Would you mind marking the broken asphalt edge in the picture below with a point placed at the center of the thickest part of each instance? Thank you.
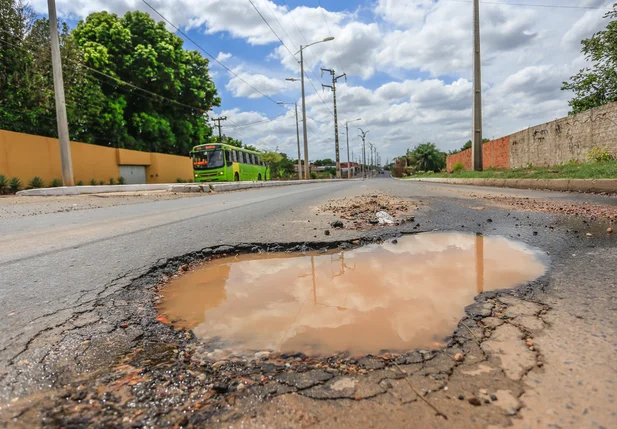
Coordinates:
(188, 187)
(562, 185)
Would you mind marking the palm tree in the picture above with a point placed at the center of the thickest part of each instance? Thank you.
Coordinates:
(428, 158)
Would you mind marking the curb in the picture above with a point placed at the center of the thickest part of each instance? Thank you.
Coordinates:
(562, 185)
(236, 186)
(189, 187)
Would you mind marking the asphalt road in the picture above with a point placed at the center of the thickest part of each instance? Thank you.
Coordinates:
(57, 266)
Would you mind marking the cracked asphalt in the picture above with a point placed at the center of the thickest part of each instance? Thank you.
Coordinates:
(80, 345)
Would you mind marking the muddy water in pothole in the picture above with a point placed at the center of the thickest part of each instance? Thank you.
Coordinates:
(382, 296)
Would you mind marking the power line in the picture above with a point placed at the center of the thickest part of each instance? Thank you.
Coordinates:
(186, 36)
(277, 20)
(323, 15)
(295, 23)
(118, 80)
(272, 29)
(290, 53)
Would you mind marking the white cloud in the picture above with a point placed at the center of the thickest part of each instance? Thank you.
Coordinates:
(409, 69)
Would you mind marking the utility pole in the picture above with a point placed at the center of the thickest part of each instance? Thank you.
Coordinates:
(218, 121)
(348, 159)
(371, 155)
(476, 144)
(336, 142)
(363, 137)
(295, 103)
(61, 119)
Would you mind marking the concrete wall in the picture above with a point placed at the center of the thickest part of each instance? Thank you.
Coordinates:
(26, 156)
(549, 144)
(566, 138)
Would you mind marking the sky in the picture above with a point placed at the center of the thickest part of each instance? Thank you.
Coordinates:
(408, 65)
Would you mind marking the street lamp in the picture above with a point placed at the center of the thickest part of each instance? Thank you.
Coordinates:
(301, 51)
(298, 137)
(347, 132)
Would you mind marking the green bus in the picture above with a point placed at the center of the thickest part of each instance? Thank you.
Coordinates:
(218, 162)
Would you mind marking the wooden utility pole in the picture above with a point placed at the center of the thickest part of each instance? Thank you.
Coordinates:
(61, 119)
(336, 141)
(218, 121)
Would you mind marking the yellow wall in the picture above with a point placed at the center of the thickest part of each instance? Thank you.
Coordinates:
(169, 168)
(26, 156)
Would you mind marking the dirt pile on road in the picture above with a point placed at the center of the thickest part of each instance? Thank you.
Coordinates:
(361, 211)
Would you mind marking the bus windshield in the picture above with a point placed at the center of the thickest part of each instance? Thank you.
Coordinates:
(208, 160)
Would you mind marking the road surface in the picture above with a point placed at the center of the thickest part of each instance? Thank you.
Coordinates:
(61, 270)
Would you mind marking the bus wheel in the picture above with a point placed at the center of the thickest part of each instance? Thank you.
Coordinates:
(236, 177)
(259, 177)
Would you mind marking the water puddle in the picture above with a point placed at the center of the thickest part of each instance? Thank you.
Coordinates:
(379, 297)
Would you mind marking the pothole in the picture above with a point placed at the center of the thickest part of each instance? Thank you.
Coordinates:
(399, 295)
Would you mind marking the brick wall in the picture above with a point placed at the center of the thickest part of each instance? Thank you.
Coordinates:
(495, 153)
(464, 157)
(549, 144)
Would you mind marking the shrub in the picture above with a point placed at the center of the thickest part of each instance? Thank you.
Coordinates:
(15, 185)
(598, 154)
(101, 182)
(55, 183)
(93, 182)
(4, 184)
(80, 183)
(112, 181)
(121, 180)
(179, 180)
(37, 182)
(313, 175)
(459, 166)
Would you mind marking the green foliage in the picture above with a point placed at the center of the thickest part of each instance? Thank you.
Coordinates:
(112, 181)
(4, 184)
(323, 162)
(279, 165)
(55, 183)
(133, 48)
(121, 180)
(36, 182)
(93, 182)
(331, 171)
(80, 183)
(459, 166)
(179, 180)
(233, 142)
(426, 157)
(101, 182)
(15, 185)
(313, 175)
(596, 85)
(598, 154)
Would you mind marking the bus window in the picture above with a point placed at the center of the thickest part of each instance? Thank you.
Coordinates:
(241, 157)
(234, 155)
(228, 157)
(252, 159)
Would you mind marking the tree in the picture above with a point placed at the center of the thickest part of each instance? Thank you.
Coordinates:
(323, 162)
(596, 85)
(427, 157)
(233, 142)
(271, 158)
(136, 49)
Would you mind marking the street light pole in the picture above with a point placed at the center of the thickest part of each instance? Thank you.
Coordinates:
(295, 103)
(348, 159)
(363, 136)
(476, 144)
(304, 131)
(61, 118)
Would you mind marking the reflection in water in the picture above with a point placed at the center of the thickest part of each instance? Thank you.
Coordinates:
(388, 296)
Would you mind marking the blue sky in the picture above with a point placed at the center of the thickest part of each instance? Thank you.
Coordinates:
(408, 64)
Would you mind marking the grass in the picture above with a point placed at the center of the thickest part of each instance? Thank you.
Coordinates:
(595, 170)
